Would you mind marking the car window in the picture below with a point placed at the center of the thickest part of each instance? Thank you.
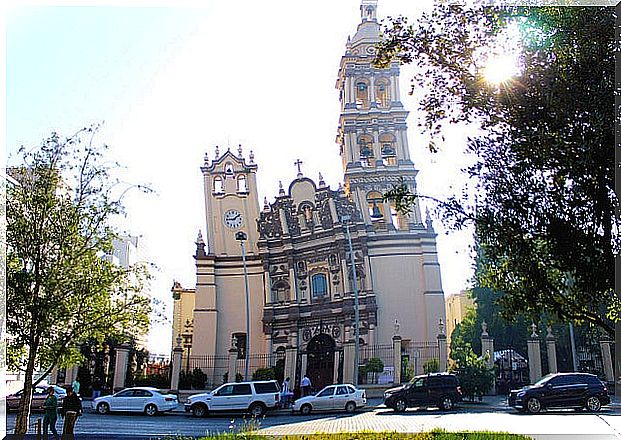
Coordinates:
(559, 381)
(351, 390)
(142, 393)
(126, 393)
(326, 392)
(436, 381)
(226, 390)
(266, 387)
(242, 389)
(420, 382)
(39, 390)
(341, 391)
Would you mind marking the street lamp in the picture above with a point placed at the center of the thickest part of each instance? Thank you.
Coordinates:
(569, 283)
(345, 219)
(242, 237)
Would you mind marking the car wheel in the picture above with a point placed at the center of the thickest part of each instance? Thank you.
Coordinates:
(593, 404)
(257, 410)
(103, 408)
(400, 405)
(446, 404)
(350, 407)
(306, 409)
(533, 405)
(150, 409)
(199, 410)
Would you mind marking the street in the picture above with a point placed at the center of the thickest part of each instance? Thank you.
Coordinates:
(549, 425)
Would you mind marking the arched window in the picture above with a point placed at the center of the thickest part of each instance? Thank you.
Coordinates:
(394, 216)
(365, 143)
(382, 93)
(387, 147)
(280, 291)
(228, 169)
(242, 186)
(319, 283)
(239, 341)
(376, 207)
(217, 185)
(362, 94)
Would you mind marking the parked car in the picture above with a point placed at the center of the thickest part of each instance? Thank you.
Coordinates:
(138, 399)
(333, 397)
(255, 397)
(38, 397)
(561, 390)
(430, 390)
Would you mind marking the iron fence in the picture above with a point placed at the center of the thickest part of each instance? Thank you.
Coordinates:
(368, 361)
(415, 355)
(202, 371)
(258, 361)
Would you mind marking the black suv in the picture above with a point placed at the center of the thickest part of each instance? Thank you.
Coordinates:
(561, 390)
(438, 389)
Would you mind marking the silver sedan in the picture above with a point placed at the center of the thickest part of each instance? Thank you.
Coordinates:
(332, 398)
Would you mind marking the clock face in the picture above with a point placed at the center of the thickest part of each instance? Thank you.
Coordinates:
(233, 219)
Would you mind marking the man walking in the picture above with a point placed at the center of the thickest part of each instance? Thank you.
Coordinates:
(305, 384)
(71, 410)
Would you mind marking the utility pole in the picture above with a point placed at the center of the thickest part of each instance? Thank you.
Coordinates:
(242, 237)
(345, 219)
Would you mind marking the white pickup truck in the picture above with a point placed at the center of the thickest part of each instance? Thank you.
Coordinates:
(254, 397)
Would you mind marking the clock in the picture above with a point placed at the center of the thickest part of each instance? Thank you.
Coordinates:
(233, 219)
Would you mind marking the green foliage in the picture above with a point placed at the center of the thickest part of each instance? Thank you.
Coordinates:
(60, 291)
(544, 175)
(161, 381)
(436, 434)
(475, 378)
(407, 370)
(402, 197)
(264, 374)
(238, 377)
(431, 366)
(374, 365)
(194, 379)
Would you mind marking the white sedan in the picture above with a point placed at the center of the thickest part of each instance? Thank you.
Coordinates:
(333, 397)
(141, 399)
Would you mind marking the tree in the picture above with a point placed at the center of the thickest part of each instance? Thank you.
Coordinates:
(431, 366)
(61, 291)
(545, 200)
(475, 378)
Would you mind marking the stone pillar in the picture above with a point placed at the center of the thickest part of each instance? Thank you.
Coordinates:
(291, 357)
(54, 376)
(120, 367)
(176, 366)
(534, 355)
(371, 333)
(487, 348)
(442, 348)
(607, 360)
(396, 356)
(70, 374)
(337, 358)
(232, 370)
(349, 354)
(551, 349)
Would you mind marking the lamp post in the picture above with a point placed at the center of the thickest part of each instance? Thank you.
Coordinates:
(345, 219)
(569, 283)
(242, 237)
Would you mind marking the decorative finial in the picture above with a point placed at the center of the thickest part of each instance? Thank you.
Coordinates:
(251, 157)
(484, 327)
(281, 191)
(321, 182)
(228, 148)
(428, 219)
(239, 150)
(199, 239)
(397, 326)
(440, 327)
(533, 327)
(206, 159)
(340, 187)
(549, 334)
(178, 340)
(217, 152)
(298, 163)
(266, 205)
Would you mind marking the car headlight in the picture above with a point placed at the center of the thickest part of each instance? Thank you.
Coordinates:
(190, 401)
(521, 394)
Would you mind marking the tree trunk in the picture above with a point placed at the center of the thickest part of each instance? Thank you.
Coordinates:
(23, 412)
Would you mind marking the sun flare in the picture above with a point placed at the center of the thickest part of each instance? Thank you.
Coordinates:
(500, 69)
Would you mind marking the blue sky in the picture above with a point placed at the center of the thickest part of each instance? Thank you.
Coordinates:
(171, 83)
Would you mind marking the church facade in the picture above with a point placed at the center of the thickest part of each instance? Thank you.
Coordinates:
(299, 269)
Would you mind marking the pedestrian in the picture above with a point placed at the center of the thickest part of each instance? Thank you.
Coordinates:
(70, 411)
(284, 393)
(96, 388)
(76, 386)
(50, 405)
(305, 384)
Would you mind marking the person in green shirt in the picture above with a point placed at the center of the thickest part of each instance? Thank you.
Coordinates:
(51, 407)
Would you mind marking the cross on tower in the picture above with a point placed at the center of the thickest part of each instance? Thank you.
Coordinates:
(298, 163)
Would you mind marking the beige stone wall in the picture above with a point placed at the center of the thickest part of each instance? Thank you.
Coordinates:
(183, 309)
(457, 306)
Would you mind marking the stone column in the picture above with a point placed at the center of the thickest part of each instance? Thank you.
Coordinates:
(232, 370)
(120, 367)
(487, 348)
(607, 360)
(70, 374)
(337, 358)
(442, 347)
(291, 357)
(534, 355)
(551, 349)
(349, 356)
(176, 366)
(371, 333)
(396, 356)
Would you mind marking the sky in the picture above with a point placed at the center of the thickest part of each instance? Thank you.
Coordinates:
(169, 83)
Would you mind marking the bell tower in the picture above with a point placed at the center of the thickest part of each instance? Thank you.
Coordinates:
(372, 132)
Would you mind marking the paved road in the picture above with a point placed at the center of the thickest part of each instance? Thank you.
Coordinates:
(551, 425)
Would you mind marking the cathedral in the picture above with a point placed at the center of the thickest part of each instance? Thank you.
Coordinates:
(301, 276)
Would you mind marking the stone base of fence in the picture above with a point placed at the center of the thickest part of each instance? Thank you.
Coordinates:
(376, 391)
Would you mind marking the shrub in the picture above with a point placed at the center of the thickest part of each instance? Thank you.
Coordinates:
(238, 377)
(153, 380)
(264, 374)
(407, 370)
(431, 366)
(475, 378)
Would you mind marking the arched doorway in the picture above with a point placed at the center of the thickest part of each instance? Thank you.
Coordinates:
(320, 361)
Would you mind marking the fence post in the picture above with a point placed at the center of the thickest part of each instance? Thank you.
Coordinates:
(604, 345)
(551, 348)
(175, 367)
(232, 369)
(534, 355)
(442, 348)
(120, 367)
(396, 358)
(487, 347)
(39, 429)
(349, 357)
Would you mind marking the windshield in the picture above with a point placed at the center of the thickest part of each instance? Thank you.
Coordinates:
(543, 380)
